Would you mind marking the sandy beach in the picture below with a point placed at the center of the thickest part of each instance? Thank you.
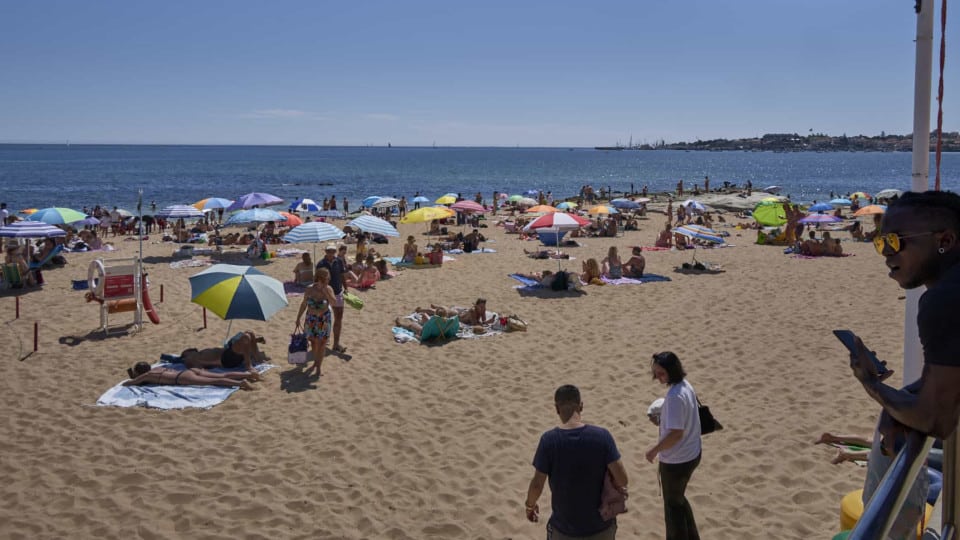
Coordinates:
(407, 441)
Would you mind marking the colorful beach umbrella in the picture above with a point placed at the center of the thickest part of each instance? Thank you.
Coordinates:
(428, 213)
(293, 220)
(820, 218)
(31, 229)
(237, 292)
(770, 214)
(603, 209)
(374, 225)
(557, 220)
(28, 211)
(566, 205)
(699, 232)
(820, 207)
(254, 199)
(178, 211)
(446, 199)
(468, 206)
(57, 216)
(871, 210)
(212, 203)
(254, 215)
(305, 205)
(541, 209)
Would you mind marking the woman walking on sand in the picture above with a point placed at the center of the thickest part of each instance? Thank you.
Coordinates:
(678, 446)
(316, 303)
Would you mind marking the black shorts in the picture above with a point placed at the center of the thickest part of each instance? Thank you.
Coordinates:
(230, 359)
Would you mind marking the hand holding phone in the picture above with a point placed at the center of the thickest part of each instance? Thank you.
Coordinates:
(849, 340)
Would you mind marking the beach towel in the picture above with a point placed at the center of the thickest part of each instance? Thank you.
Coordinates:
(170, 397)
(647, 278)
(448, 328)
(801, 256)
(655, 248)
(190, 263)
(398, 263)
(460, 251)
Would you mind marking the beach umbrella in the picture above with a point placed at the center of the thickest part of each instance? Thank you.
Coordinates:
(860, 195)
(335, 214)
(770, 215)
(254, 215)
(368, 202)
(602, 209)
(89, 220)
(841, 202)
(386, 202)
(772, 189)
(820, 218)
(254, 199)
(212, 203)
(541, 209)
(293, 220)
(820, 207)
(502, 195)
(451, 194)
(123, 213)
(773, 199)
(644, 199)
(375, 225)
(526, 201)
(446, 199)
(468, 206)
(566, 205)
(888, 193)
(305, 205)
(625, 204)
(870, 210)
(313, 232)
(692, 204)
(237, 292)
(31, 229)
(29, 211)
(515, 198)
(421, 199)
(427, 213)
(557, 220)
(178, 211)
(56, 216)
(700, 233)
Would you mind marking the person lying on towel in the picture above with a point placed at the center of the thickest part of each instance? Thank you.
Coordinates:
(240, 351)
(142, 374)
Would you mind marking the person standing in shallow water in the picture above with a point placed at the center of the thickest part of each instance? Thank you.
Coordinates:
(678, 446)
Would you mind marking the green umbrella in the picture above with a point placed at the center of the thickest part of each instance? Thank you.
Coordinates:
(770, 214)
(514, 198)
(56, 216)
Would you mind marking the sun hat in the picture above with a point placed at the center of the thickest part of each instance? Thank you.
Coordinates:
(654, 408)
(330, 247)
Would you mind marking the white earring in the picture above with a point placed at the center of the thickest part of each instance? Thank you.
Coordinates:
(941, 251)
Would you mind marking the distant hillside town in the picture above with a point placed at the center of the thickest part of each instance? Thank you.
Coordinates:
(792, 142)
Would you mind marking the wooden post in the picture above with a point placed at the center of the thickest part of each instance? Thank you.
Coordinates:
(161, 293)
(18, 307)
(36, 334)
(204, 318)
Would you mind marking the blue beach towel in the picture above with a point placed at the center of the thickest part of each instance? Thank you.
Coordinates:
(647, 278)
(170, 397)
(527, 282)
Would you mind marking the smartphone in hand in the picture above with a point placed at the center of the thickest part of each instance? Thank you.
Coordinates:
(848, 339)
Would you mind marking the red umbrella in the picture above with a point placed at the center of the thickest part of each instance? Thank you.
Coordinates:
(557, 220)
(468, 206)
(293, 220)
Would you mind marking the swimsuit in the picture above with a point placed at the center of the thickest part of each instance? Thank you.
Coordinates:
(230, 359)
(317, 325)
(615, 271)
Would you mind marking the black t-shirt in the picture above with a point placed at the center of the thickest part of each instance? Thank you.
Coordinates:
(337, 268)
(939, 320)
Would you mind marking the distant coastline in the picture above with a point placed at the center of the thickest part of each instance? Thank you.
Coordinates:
(793, 142)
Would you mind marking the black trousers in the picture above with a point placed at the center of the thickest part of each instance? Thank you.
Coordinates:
(677, 513)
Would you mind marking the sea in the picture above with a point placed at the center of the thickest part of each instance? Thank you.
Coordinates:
(77, 176)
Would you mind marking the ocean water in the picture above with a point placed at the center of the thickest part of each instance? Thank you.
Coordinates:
(85, 175)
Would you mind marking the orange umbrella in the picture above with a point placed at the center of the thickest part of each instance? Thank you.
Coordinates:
(871, 210)
(293, 220)
(542, 208)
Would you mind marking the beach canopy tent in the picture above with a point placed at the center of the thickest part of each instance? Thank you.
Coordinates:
(700, 232)
(374, 225)
(770, 214)
(253, 199)
(31, 229)
(180, 211)
(57, 216)
(254, 215)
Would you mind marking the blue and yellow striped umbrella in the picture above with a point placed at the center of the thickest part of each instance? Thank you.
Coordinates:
(237, 292)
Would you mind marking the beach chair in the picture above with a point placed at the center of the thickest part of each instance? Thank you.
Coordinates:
(46, 260)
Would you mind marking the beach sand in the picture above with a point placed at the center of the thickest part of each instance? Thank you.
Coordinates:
(409, 441)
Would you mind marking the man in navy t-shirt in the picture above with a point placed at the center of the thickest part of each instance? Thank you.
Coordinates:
(337, 265)
(575, 457)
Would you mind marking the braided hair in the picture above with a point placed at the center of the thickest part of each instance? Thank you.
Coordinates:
(942, 207)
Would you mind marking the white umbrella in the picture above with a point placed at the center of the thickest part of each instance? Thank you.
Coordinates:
(699, 232)
(888, 193)
(372, 224)
(386, 202)
(313, 232)
(31, 229)
(255, 215)
(178, 211)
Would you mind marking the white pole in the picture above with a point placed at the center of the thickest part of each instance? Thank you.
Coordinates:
(923, 74)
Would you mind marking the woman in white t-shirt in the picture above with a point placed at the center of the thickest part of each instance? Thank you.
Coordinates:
(678, 446)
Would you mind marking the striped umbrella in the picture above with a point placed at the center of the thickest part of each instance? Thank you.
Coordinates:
(178, 211)
(56, 216)
(820, 218)
(305, 205)
(700, 233)
(386, 202)
(254, 199)
(237, 292)
(558, 221)
(254, 215)
(31, 229)
(468, 206)
(312, 233)
(212, 203)
(368, 202)
(372, 224)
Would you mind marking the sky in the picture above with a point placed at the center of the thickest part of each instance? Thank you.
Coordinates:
(458, 73)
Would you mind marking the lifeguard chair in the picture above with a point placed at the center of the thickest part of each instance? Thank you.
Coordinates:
(119, 286)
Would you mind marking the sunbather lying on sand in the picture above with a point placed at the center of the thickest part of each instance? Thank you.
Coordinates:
(477, 314)
(241, 351)
(548, 277)
(141, 374)
(546, 254)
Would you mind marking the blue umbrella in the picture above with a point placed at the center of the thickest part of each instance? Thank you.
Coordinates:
(372, 224)
(532, 192)
(213, 203)
(237, 292)
(368, 202)
(841, 202)
(31, 229)
(820, 207)
(254, 215)
(624, 204)
(421, 199)
(313, 232)
(700, 233)
(305, 205)
(178, 211)
(255, 199)
(820, 218)
(56, 216)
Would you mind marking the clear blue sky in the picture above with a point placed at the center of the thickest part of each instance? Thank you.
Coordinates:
(498, 73)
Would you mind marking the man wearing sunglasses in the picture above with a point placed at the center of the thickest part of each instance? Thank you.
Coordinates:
(920, 244)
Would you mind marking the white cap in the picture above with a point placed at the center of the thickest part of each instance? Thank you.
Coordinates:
(654, 408)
